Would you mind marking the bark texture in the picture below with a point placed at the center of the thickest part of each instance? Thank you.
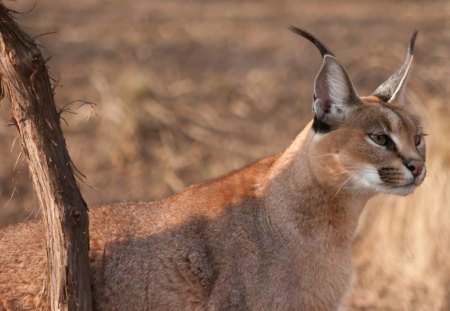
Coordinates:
(24, 78)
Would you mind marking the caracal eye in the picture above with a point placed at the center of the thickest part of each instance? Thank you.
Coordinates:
(379, 139)
(417, 140)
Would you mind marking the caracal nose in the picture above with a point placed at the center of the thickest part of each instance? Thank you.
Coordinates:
(415, 166)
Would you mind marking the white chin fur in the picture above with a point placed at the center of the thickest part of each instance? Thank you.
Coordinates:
(399, 190)
(369, 179)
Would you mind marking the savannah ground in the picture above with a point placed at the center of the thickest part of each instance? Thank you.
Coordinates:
(187, 90)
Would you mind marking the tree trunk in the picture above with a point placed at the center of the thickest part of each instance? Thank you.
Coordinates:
(24, 77)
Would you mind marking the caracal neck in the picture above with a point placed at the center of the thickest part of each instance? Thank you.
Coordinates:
(301, 203)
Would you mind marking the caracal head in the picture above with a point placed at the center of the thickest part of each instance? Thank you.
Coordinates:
(370, 144)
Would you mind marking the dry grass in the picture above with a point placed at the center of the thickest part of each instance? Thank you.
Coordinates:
(188, 90)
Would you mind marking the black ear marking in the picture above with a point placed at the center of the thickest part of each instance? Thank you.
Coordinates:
(320, 127)
(393, 88)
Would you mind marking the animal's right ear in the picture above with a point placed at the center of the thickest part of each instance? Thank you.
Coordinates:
(392, 91)
(334, 94)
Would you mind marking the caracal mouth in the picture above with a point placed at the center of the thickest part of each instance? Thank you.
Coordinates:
(404, 189)
(370, 179)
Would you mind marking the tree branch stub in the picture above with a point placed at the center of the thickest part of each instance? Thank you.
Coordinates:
(24, 78)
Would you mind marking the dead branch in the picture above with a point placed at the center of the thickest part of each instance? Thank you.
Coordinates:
(24, 77)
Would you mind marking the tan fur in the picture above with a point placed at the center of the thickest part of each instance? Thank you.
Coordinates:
(275, 235)
(371, 99)
(272, 236)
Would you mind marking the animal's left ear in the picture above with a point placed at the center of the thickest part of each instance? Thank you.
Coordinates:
(393, 89)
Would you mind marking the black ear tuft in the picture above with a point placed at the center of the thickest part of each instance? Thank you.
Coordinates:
(412, 42)
(323, 50)
(394, 87)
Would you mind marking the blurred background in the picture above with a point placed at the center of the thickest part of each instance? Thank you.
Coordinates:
(162, 94)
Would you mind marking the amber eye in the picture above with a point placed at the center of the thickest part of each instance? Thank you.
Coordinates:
(417, 140)
(379, 139)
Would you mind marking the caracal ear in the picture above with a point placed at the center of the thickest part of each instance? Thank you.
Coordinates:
(334, 94)
(393, 90)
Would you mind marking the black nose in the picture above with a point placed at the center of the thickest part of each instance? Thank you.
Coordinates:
(415, 166)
